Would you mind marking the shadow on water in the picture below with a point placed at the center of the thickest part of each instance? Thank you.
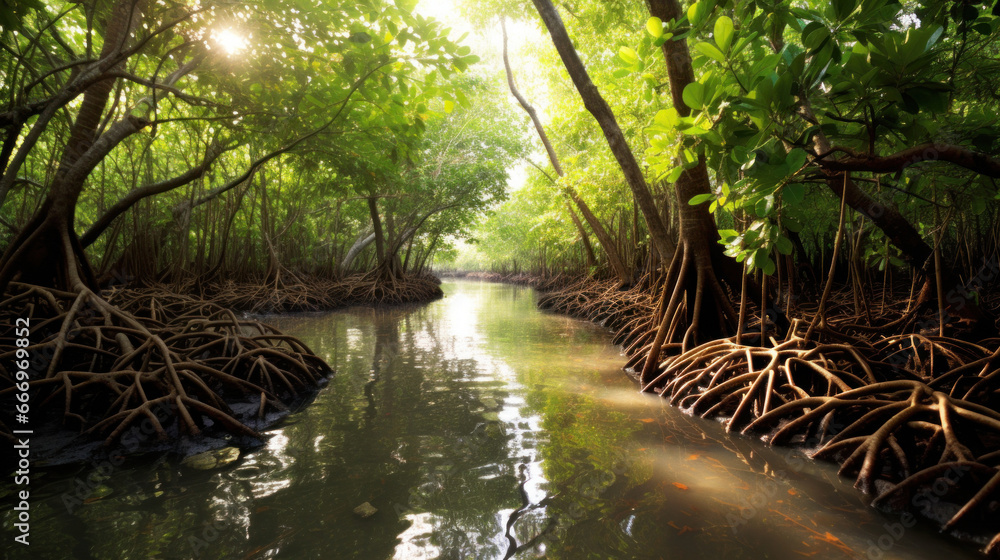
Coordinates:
(481, 428)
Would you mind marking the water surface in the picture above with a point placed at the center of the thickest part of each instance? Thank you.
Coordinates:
(479, 428)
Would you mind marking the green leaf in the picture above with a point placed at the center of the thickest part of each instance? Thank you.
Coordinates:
(766, 264)
(794, 193)
(764, 206)
(700, 199)
(662, 39)
(628, 55)
(655, 27)
(728, 235)
(843, 8)
(694, 95)
(784, 245)
(815, 35)
(764, 92)
(724, 33)
(796, 159)
(709, 50)
(406, 5)
(668, 117)
(698, 12)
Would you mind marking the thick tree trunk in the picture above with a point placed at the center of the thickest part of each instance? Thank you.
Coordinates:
(47, 251)
(702, 262)
(380, 256)
(366, 238)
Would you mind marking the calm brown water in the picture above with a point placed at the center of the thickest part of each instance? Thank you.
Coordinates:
(479, 428)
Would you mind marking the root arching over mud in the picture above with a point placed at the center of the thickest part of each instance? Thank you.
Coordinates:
(912, 418)
(103, 364)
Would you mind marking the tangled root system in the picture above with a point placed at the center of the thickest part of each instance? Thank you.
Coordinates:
(103, 366)
(912, 418)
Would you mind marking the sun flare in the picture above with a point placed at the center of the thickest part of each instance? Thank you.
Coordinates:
(229, 41)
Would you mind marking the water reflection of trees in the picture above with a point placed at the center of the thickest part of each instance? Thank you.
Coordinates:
(410, 406)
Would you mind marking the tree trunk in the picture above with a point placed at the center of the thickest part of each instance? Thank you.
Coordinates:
(699, 289)
(603, 238)
(614, 257)
(599, 108)
(380, 256)
(588, 249)
(46, 251)
(366, 238)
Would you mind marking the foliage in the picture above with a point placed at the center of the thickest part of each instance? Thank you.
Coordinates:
(296, 115)
(870, 76)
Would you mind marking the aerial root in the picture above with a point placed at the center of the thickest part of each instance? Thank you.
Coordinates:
(706, 378)
(627, 312)
(895, 414)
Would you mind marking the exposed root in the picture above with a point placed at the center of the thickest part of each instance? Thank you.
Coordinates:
(105, 366)
(722, 378)
(603, 302)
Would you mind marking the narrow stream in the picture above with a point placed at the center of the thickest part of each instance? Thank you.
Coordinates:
(479, 428)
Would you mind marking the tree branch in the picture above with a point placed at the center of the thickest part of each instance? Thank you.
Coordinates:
(958, 155)
(134, 196)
